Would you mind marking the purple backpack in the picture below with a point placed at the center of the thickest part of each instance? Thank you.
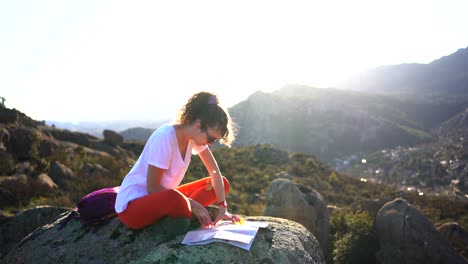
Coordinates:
(98, 207)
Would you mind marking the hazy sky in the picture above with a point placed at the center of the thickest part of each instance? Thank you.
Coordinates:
(98, 60)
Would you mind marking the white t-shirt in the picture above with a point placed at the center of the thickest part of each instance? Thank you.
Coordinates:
(162, 151)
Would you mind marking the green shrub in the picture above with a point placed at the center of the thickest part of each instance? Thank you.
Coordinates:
(353, 238)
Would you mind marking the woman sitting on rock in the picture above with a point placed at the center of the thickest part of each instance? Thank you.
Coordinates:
(151, 189)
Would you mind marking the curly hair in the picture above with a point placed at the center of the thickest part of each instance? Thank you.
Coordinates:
(204, 106)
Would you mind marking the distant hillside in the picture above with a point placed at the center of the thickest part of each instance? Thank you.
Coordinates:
(96, 128)
(447, 76)
(439, 166)
(456, 127)
(137, 133)
(44, 164)
(333, 123)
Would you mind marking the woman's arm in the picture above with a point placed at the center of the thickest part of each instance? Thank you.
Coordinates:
(218, 185)
(153, 179)
(216, 178)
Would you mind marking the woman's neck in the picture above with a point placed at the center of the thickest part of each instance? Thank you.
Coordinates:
(183, 134)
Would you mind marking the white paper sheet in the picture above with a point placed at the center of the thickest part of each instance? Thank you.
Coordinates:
(240, 235)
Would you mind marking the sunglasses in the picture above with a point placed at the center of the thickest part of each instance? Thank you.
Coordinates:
(209, 138)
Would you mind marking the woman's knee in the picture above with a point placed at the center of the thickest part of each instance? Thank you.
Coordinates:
(177, 197)
(179, 204)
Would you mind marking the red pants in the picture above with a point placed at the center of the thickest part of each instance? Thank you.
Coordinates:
(147, 210)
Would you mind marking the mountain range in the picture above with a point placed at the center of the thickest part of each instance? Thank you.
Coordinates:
(446, 77)
(384, 107)
(404, 125)
(389, 106)
(334, 123)
(96, 128)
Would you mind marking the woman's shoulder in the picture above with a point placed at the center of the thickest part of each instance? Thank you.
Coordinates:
(165, 128)
(164, 131)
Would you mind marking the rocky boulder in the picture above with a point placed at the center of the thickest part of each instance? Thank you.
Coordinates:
(70, 136)
(15, 228)
(94, 170)
(282, 241)
(48, 147)
(59, 173)
(24, 143)
(112, 137)
(16, 190)
(456, 235)
(406, 236)
(301, 204)
(13, 188)
(44, 184)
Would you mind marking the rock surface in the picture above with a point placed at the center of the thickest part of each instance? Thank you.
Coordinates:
(456, 235)
(406, 236)
(282, 241)
(13, 229)
(301, 204)
(59, 173)
(89, 171)
(44, 184)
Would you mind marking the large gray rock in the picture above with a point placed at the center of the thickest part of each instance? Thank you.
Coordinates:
(301, 204)
(406, 236)
(456, 235)
(15, 228)
(282, 242)
(44, 184)
(60, 173)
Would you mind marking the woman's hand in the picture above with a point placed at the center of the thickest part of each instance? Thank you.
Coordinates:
(201, 213)
(224, 214)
